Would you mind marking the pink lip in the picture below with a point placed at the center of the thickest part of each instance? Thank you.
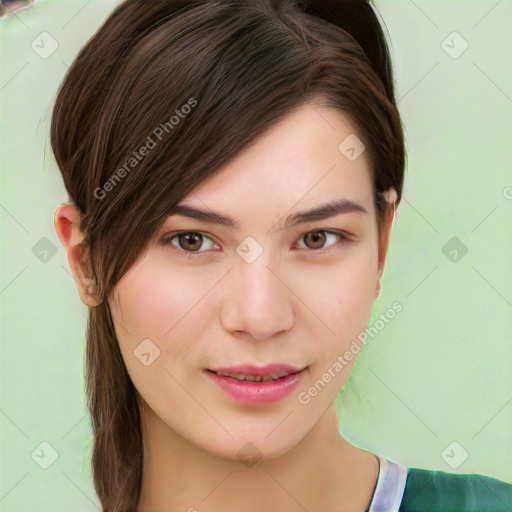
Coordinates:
(257, 392)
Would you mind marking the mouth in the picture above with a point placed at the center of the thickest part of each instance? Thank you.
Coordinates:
(250, 370)
(253, 378)
(257, 385)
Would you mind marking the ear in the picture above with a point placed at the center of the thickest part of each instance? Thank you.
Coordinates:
(385, 235)
(67, 225)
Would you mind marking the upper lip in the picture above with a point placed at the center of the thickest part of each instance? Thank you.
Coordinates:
(258, 371)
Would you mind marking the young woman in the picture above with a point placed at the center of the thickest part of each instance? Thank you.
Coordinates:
(233, 170)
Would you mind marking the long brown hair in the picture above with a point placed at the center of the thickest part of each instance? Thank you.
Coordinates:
(195, 82)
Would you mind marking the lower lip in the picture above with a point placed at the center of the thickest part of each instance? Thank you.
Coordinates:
(257, 392)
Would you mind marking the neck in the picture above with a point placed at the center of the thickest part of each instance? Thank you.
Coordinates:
(322, 472)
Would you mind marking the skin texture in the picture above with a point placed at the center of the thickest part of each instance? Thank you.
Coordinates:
(293, 304)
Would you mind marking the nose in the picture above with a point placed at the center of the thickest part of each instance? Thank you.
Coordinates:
(258, 301)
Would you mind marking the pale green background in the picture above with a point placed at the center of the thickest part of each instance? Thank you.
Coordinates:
(439, 372)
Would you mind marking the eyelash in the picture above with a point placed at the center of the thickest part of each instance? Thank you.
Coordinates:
(344, 239)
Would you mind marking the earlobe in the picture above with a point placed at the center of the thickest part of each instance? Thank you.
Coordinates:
(67, 225)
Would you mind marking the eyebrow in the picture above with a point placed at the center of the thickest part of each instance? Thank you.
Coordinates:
(321, 212)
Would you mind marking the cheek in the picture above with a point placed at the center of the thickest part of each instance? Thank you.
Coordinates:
(148, 305)
(166, 305)
(154, 300)
(343, 304)
(340, 296)
(357, 288)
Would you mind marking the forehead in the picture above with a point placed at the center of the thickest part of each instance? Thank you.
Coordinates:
(301, 161)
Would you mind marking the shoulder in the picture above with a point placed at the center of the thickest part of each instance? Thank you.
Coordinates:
(436, 491)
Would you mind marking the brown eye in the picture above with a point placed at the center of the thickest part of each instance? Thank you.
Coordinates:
(190, 241)
(315, 239)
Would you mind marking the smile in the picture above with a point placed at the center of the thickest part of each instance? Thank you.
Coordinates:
(252, 389)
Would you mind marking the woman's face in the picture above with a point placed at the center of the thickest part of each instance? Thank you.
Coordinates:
(257, 293)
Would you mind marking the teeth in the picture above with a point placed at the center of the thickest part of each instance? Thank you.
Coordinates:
(251, 378)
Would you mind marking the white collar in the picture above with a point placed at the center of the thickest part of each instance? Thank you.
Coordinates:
(390, 486)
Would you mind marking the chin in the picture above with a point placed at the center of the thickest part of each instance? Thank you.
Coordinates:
(251, 449)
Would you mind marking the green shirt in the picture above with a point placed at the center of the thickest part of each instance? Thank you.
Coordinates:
(402, 489)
